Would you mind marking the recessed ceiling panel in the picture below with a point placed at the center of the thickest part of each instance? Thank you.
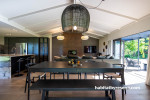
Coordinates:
(108, 19)
(42, 17)
(12, 8)
(131, 8)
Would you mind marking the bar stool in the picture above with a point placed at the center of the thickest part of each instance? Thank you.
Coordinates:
(32, 58)
(28, 65)
(114, 75)
(19, 66)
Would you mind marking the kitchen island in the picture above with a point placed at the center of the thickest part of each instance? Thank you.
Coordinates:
(9, 64)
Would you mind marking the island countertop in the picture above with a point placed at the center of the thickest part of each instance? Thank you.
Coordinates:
(15, 55)
(9, 64)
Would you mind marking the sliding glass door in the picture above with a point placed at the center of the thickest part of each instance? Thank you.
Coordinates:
(117, 48)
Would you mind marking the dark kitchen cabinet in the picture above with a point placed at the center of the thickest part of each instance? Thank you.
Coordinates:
(43, 49)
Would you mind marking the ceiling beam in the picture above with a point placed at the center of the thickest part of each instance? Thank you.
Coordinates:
(39, 11)
(16, 25)
(47, 29)
(53, 34)
(56, 34)
(91, 36)
(94, 34)
(102, 31)
(113, 13)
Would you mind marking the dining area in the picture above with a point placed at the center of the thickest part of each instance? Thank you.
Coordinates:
(73, 49)
(76, 78)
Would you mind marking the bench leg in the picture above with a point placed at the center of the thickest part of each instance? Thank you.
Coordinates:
(47, 94)
(125, 91)
(43, 95)
(106, 93)
(113, 95)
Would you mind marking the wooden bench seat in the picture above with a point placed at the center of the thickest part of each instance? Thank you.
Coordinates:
(75, 85)
(54, 85)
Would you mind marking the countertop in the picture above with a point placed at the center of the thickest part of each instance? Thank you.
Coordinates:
(14, 55)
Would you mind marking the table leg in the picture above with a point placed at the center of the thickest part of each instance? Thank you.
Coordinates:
(50, 75)
(123, 82)
(113, 95)
(122, 76)
(80, 76)
(85, 77)
(99, 75)
(63, 75)
(54, 75)
(103, 76)
(68, 75)
(43, 95)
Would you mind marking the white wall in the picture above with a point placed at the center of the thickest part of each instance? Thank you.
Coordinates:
(1, 40)
(133, 28)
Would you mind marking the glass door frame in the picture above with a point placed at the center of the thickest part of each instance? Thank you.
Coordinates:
(114, 47)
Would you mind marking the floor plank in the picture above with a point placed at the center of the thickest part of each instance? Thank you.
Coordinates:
(13, 89)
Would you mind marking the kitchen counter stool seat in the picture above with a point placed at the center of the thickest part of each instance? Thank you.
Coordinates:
(21, 60)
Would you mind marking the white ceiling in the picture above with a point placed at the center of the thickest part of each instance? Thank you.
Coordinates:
(10, 31)
(43, 17)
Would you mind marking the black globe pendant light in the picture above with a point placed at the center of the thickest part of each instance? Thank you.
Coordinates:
(75, 19)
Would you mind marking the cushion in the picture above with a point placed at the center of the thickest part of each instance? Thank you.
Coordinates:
(72, 57)
(101, 57)
(87, 57)
(111, 57)
(63, 57)
(57, 57)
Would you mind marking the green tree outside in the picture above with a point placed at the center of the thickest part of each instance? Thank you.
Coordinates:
(131, 48)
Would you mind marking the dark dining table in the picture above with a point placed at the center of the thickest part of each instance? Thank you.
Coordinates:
(63, 67)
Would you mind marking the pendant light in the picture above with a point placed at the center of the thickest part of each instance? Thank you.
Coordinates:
(75, 19)
(60, 37)
(84, 37)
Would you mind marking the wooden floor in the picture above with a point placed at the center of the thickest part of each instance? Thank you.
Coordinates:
(13, 89)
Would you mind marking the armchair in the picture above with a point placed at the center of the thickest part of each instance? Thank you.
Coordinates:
(132, 63)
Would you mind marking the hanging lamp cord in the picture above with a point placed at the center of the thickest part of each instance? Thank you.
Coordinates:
(92, 7)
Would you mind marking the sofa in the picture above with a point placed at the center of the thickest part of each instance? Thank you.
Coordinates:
(111, 61)
(105, 58)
